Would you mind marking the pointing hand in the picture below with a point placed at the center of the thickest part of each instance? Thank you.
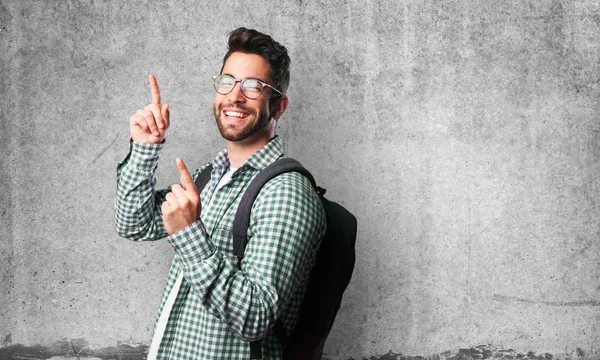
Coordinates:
(150, 124)
(182, 205)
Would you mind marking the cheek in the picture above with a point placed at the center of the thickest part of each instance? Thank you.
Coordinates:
(219, 99)
(217, 105)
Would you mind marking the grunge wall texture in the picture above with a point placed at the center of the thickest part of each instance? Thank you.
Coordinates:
(464, 135)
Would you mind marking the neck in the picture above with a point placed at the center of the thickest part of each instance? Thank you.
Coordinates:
(239, 151)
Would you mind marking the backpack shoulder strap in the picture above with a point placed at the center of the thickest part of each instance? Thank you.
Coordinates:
(242, 221)
(203, 178)
(242, 216)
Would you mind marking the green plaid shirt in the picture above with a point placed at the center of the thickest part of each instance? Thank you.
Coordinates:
(220, 308)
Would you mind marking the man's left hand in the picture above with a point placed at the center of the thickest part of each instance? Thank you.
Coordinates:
(182, 205)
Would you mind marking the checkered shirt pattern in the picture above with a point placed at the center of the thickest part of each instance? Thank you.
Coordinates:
(220, 308)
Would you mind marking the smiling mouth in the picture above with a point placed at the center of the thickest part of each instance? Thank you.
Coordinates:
(235, 114)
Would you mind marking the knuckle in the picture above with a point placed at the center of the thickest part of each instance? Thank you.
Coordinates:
(136, 120)
(173, 208)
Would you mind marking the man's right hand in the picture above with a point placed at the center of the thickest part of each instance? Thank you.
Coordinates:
(150, 124)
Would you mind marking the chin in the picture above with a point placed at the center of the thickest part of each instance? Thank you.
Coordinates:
(253, 128)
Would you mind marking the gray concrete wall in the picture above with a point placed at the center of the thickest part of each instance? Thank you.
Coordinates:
(464, 135)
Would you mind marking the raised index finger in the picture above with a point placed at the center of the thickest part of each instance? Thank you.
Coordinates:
(185, 177)
(154, 92)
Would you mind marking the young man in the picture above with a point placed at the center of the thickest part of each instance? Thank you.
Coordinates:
(211, 309)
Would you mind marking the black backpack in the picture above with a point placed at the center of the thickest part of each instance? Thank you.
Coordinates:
(329, 277)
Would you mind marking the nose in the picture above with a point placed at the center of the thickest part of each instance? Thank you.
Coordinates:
(236, 95)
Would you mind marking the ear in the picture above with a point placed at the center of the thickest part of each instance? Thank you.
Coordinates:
(279, 107)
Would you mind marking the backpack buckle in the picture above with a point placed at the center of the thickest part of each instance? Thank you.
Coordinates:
(321, 191)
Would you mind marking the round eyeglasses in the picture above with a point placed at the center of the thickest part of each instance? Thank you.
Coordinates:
(251, 88)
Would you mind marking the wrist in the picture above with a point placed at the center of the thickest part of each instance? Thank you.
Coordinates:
(144, 155)
(192, 242)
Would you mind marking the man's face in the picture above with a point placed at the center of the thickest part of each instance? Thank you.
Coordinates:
(238, 117)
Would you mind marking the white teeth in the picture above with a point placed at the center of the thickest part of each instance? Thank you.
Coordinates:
(234, 113)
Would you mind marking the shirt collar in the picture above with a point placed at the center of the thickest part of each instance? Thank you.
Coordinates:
(272, 151)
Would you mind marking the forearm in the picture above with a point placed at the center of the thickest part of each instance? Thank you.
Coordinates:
(137, 205)
(225, 291)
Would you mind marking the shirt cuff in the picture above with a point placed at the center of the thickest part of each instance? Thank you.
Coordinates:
(144, 156)
(192, 242)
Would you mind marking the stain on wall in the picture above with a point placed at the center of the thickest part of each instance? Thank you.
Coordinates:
(67, 349)
(74, 348)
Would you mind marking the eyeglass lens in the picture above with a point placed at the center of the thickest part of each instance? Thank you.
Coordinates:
(251, 88)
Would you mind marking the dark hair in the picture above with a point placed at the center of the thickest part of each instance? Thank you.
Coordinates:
(250, 41)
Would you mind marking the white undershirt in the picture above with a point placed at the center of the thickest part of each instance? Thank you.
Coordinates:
(164, 315)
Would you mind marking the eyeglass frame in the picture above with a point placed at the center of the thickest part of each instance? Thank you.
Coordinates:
(241, 81)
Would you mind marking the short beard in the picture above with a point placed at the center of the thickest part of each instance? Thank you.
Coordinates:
(261, 121)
